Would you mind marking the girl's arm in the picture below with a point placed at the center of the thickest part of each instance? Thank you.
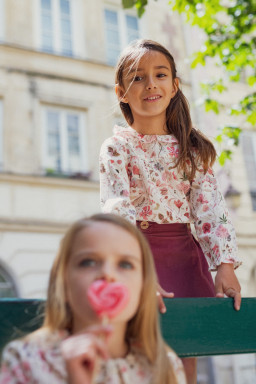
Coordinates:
(215, 233)
(114, 180)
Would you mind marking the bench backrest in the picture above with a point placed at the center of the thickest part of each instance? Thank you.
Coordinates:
(192, 327)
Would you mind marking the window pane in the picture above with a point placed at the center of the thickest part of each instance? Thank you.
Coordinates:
(112, 36)
(47, 22)
(66, 27)
(46, 4)
(46, 26)
(47, 44)
(53, 137)
(132, 28)
(111, 17)
(73, 135)
(67, 47)
(75, 163)
(65, 6)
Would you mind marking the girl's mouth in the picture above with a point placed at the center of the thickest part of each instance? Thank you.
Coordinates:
(152, 98)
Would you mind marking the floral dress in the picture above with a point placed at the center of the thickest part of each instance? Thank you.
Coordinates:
(139, 181)
(37, 360)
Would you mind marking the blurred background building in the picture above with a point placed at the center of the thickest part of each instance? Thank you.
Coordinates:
(57, 105)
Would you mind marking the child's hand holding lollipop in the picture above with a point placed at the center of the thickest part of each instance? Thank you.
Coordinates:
(81, 352)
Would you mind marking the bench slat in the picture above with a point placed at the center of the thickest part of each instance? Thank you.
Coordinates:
(192, 327)
(200, 327)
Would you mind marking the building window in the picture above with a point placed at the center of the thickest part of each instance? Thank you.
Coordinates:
(249, 150)
(120, 30)
(56, 26)
(7, 286)
(64, 141)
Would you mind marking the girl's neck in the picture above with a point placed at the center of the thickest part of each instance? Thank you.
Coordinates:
(149, 126)
(116, 343)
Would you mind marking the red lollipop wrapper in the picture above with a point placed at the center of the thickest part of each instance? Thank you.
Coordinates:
(108, 299)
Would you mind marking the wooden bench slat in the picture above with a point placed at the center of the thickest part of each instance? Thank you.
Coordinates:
(200, 327)
(192, 327)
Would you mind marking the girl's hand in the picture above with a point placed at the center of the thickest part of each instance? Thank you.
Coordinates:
(160, 294)
(226, 283)
(82, 351)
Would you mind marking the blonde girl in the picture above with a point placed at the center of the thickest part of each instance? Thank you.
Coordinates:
(72, 345)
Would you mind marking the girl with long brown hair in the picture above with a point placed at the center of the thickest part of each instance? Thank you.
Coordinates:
(73, 346)
(157, 173)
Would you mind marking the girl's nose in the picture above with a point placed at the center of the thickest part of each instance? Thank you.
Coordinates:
(150, 83)
(108, 272)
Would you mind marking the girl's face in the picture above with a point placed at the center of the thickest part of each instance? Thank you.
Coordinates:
(149, 89)
(102, 251)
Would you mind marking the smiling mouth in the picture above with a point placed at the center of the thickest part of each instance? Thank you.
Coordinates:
(152, 98)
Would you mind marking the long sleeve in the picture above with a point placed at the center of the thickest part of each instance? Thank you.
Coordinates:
(213, 225)
(114, 180)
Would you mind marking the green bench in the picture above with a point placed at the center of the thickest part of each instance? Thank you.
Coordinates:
(192, 327)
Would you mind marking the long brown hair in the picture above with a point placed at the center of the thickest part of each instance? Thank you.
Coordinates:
(143, 327)
(195, 151)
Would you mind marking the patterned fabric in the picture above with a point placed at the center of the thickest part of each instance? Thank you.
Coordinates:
(138, 182)
(38, 360)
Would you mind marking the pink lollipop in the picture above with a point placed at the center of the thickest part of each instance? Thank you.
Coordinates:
(108, 299)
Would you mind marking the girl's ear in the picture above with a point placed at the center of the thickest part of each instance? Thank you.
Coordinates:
(120, 92)
(175, 86)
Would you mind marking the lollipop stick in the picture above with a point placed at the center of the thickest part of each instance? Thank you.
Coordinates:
(104, 322)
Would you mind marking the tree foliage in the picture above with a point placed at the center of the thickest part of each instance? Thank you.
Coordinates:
(230, 29)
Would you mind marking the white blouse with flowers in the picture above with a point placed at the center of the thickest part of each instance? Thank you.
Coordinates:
(38, 360)
(138, 182)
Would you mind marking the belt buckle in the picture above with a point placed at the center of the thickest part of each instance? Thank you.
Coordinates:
(144, 225)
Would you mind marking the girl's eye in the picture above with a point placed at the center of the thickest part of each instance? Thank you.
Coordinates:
(161, 75)
(137, 78)
(88, 263)
(126, 264)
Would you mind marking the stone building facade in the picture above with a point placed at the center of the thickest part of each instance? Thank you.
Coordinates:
(57, 105)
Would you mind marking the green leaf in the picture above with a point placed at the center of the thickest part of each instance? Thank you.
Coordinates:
(212, 105)
(251, 80)
(128, 3)
(224, 156)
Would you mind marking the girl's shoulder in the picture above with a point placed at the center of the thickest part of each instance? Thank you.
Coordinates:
(40, 340)
(122, 135)
(122, 141)
(37, 353)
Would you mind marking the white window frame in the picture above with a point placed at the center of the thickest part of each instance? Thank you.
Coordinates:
(63, 113)
(2, 19)
(56, 13)
(121, 21)
(1, 133)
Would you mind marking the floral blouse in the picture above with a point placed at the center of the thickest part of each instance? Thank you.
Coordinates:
(138, 181)
(38, 360)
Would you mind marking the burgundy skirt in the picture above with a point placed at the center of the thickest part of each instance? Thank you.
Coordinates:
(180, 263)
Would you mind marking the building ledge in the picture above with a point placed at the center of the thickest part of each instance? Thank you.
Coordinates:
(48, 181)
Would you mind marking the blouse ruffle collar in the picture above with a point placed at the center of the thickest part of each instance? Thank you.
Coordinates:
(129, 133)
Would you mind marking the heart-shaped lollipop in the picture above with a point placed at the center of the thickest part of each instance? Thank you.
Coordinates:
(108, 299)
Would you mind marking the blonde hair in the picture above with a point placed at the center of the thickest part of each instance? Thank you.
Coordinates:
(143, 327)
